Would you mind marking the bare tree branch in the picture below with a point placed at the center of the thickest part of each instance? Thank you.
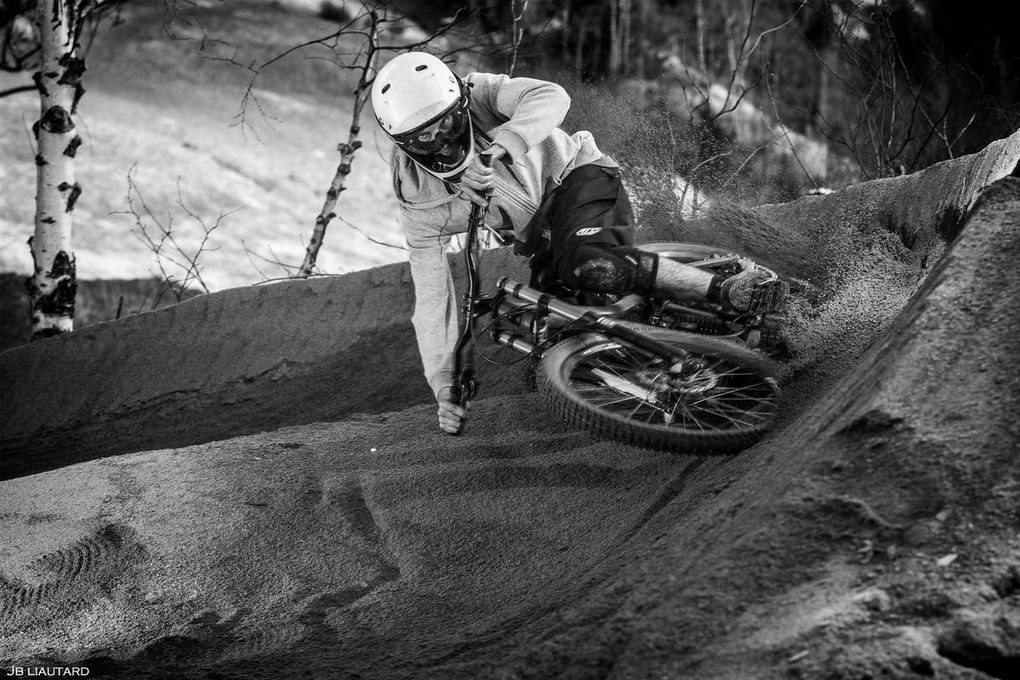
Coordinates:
(17, 90)
(162, 239)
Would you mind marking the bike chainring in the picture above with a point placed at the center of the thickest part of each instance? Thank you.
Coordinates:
(695, 324)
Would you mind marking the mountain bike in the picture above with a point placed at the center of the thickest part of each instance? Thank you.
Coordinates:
(686, 376)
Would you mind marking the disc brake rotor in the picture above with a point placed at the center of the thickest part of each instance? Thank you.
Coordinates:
(685, 381)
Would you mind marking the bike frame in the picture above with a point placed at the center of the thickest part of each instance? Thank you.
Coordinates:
(583, 318)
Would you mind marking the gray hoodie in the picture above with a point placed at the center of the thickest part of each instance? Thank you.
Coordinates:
(521, 115)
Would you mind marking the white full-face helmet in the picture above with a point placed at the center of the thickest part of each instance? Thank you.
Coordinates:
(423, 106)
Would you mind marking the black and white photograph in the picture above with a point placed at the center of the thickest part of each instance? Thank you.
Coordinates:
(510, 339)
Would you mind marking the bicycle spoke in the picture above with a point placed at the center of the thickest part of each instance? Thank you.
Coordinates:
(637, 408)
(727, 417)
(717, 396)
(697, 421)
(725, 410)
(611, 402)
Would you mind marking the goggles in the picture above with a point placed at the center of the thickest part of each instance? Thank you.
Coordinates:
(432, 137)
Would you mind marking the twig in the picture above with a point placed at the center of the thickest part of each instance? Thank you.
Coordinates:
(163, 241)
(290, 270)
(516, 32)
(17, 90)
(370, 238)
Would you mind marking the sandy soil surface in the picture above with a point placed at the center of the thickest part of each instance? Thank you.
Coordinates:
(258, 488)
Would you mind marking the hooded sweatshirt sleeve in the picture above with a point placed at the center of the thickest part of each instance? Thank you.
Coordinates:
(435, 311)
(531, 109)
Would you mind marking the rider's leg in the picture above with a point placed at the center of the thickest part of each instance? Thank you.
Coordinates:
(675, 279)
(619, 270)
(592, 236)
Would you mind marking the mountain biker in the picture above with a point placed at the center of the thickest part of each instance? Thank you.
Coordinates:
(561, 196)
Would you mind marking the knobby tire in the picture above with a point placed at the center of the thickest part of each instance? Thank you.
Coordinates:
(745, 391)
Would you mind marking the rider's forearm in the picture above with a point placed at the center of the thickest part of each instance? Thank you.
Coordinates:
(443, 380)
(435, 315)
(534, 108)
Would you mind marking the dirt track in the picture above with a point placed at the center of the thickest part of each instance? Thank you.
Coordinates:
(873, 534)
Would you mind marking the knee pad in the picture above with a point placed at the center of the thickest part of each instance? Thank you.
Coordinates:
(613, 270)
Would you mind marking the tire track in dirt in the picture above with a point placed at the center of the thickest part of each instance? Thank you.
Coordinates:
(214, 639)
(71, 577)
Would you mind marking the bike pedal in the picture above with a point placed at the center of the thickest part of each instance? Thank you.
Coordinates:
(769, 296)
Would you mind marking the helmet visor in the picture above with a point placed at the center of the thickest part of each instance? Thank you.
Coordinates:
(442, 144)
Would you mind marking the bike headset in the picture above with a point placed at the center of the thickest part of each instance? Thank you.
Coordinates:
(423, 107)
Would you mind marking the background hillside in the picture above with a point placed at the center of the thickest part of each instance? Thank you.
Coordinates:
(753, 102)
(165, 111)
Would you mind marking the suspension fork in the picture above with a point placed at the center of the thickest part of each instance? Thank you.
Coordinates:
(464, 385)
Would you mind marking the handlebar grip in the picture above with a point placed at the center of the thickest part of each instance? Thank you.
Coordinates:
(485, 158)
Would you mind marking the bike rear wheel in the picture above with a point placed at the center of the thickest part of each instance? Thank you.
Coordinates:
(723, 400)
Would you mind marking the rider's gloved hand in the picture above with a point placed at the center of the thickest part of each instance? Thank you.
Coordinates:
(477, 179)
(451, 416)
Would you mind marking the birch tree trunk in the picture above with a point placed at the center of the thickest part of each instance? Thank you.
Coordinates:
(699, 16)
(347, 151)
(625, 37)
(822, 115)
(614, 37)
(53, 285)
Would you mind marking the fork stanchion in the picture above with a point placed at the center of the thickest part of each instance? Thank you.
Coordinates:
(463, 371)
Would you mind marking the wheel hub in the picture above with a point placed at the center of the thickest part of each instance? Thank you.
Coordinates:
(685, 381)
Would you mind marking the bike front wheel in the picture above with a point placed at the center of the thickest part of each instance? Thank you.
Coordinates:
(721, 399)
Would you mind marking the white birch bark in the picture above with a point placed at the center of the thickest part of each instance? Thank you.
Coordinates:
(54, 284)
(701, 28)
(614, 37)
(625, 37)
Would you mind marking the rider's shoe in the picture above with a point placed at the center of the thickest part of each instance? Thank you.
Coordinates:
(737, 292)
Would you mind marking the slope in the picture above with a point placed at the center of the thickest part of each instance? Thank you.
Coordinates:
(871, 535)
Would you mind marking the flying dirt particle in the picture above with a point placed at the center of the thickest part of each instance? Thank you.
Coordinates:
(946, 560)
(874, 599)
(207, 618)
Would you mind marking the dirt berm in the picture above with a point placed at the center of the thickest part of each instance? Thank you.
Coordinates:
(871, 535)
